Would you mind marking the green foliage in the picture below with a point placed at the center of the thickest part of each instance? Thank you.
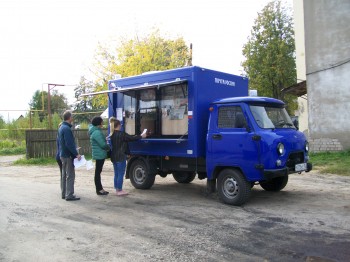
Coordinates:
(13, 151)
(136, 56)
(43, 161)
(39, 102)
(16, 129)
(151, 53)
(85, 109)
(2, 122)
(12, 147)
(8, 143)
(270, 54)
(332, 162)
(56, 120)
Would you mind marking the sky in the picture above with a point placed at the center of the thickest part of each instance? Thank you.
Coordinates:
(54, 41)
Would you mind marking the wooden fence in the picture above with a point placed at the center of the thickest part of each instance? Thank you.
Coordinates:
(42, 143)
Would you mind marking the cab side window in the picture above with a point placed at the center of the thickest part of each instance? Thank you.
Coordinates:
(231, 117)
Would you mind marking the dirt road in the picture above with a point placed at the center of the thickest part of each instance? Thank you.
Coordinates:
(308, 221)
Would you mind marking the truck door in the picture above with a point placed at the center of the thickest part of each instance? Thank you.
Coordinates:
(229, 143)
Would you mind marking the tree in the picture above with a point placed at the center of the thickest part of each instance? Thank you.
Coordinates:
(39, 103)
(85, 109)
(2, 122)
(137, 56)
(270, 54)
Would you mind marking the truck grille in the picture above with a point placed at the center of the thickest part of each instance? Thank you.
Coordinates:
(295, 158)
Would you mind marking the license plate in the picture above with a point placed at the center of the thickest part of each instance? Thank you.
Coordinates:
(300, 167)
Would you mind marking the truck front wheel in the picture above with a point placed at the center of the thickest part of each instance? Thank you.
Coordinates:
(276, 184)
(184, 177)
(139, 175)
(233, 188)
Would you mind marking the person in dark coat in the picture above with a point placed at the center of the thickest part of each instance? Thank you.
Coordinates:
(119, 144)
(99, 149)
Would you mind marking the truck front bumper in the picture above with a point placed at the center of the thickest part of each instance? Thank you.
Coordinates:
(273, 173)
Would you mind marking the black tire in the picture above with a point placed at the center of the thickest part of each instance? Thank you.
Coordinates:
(233, 188)
(139, 175)
(184, 177)
(275, 185)
(211, 186)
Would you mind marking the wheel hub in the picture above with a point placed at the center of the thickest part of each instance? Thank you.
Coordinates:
(139, 175)
(230, 188)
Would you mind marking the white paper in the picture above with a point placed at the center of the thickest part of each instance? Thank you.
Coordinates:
(79, 163)
(89, 165)
(119, 111)
(144, 131)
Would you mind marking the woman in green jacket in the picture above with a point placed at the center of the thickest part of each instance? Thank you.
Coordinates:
(99, 148)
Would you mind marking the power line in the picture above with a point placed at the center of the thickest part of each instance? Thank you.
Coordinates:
(331, 67)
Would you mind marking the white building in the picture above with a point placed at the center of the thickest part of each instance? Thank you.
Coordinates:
(322, 37)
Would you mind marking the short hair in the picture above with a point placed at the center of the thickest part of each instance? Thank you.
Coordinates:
(112, 119)
(67, 115)
(96, 121)
(116, 123)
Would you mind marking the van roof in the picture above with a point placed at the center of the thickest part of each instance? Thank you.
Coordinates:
(249, 99)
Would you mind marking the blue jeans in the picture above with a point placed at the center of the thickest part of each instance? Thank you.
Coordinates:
(119, 171)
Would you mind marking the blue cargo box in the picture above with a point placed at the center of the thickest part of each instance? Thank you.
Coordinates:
(173, 105)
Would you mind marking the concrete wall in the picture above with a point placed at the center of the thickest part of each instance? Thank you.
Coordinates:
(327, 53)
(302, 111)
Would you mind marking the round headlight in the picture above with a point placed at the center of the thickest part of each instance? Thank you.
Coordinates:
(307, 146)
(280, 149)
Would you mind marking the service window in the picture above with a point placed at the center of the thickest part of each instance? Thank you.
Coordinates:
(148, 111)
(174, 107)
(162, 111)
(130, 112)
(231, 117)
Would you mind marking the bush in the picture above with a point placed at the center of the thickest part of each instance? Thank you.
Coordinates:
(12, 147)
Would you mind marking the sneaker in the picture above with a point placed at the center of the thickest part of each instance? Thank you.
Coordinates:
(122, 193)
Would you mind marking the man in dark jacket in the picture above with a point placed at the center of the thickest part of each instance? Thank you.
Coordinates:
(68, 152)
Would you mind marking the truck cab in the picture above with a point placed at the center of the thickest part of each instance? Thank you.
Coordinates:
(252, 140)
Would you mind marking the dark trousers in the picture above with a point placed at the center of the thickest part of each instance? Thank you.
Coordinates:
(59, 162)
(98, 171)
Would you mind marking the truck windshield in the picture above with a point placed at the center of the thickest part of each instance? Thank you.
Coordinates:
(271, 117)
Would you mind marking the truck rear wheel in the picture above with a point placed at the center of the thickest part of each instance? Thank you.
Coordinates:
(139, 175)
(275, 185)
(233, 188)
(184, 177)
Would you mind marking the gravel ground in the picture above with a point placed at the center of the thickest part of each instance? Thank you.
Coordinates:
(307, 221)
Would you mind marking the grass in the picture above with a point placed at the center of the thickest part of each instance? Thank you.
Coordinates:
(12, 151)
(332, 162)
(35, 162)
(43, 161)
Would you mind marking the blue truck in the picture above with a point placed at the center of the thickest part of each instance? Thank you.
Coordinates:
(201, 122)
